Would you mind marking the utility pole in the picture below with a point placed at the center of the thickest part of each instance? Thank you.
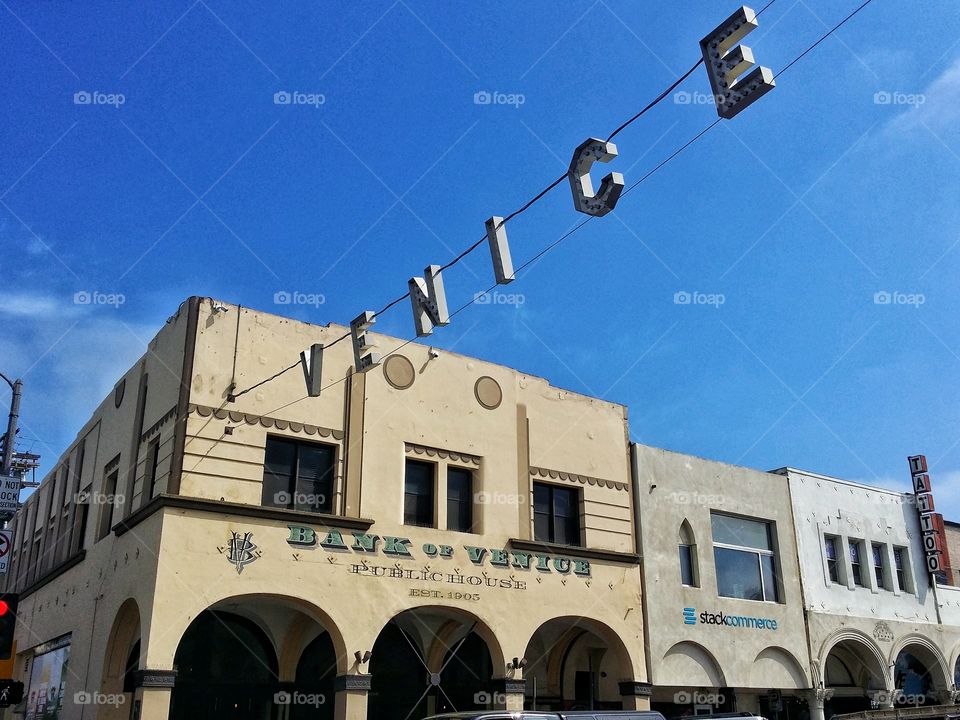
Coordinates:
(8, 446)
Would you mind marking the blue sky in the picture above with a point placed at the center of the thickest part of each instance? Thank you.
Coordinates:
(182, 176)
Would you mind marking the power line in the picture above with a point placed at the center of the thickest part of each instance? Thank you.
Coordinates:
(550, 187)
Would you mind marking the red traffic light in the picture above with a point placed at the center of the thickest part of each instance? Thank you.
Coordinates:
(4, 607)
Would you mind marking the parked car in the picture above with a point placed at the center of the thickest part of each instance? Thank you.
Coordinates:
(560, 715)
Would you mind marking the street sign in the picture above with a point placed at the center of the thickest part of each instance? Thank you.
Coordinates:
(9, 494)
(6, 544)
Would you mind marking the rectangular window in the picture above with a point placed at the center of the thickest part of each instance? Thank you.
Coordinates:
(150, 469)
(298, 475)
(833, 564)
(899, 562)
(109, 503)
(686, 566)
(856, 566)
(745, 559)
(459, 499)
(418, 494)
(878, 566)
(556, 514)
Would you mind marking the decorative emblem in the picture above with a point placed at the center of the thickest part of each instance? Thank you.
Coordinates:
(242, 550)
(882, 632)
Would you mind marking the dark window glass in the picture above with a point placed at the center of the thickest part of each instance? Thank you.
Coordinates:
(109, 500)
(459, 499)
(833, 566)
(686, 565)
(878, 565)
(298, 475)
(150, 477)
(855, 564)
(556, 514)
(901, 575)
(745, 560)
(418, 501)
(738, 574)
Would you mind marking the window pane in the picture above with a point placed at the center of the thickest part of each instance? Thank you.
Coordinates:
(418, 494)
(315, 478)
(459, 500)
(542, 513)
(770, 590)
(738, 574)
(740, 531)
(278, 467)
(686, 565)
(567, 516)
(831, 545)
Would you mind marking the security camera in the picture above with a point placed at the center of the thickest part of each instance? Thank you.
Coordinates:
(434, 353)
(219, 308)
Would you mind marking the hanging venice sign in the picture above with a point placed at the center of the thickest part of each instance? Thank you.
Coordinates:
(734, 89)
(365, 547)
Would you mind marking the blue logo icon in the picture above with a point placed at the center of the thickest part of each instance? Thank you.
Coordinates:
(689, 616)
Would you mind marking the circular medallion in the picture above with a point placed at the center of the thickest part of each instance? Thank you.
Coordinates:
(488, 392)
(398, 371)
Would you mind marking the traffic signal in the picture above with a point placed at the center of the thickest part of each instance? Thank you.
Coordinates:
(11, 693)
(8, 623)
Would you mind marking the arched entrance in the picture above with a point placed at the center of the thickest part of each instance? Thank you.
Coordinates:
(430, 660)
(226, 669)
(854, 671)
(919, 676)
(575, 664)
(122, 660)
(258, 657)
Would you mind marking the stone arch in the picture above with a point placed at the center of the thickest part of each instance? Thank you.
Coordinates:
(870, 661)
(929, 654)
(577, 660)
(692, 660)
(776, 667)
(955, 664)
(124, 638)
(256, 607)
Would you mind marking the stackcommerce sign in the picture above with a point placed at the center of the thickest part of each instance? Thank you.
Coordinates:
(742, 622)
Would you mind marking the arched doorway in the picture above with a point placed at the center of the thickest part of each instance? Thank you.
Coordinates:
(122, 660)
(315, 676)
(854, 671)
(427, 661)
(575, 664)
(919, 676)
(226, 670)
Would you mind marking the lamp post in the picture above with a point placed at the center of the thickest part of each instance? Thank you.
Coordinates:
(17, 387)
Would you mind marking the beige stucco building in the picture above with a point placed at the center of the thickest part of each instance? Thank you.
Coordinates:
(437, 532)
(723, 600)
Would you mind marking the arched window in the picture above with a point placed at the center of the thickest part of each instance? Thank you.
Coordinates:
(689, 568)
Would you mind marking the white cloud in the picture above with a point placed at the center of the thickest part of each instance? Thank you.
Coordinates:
(937, 107)
(34, 307)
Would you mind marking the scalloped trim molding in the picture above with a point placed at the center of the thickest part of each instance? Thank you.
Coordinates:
(574, 478)
(444, 454)
(167, 416)
(267, 422)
